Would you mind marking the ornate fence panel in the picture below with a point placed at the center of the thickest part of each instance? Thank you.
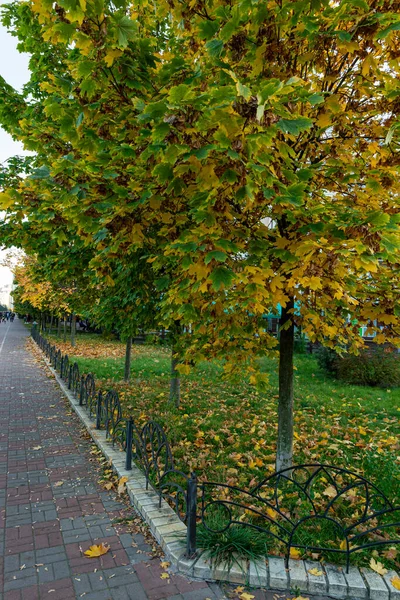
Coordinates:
(74, 379)
(313, 507)
(88, 391)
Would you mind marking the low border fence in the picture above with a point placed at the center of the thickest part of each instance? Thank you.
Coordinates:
(285, 507)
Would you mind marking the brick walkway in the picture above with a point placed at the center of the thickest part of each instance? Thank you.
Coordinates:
(53, 509)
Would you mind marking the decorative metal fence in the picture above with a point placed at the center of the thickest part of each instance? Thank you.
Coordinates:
(316, 508)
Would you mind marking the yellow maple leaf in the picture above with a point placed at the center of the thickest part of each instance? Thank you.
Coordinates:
(377, 567)
(164, 576)
(246, 596)
(294, 553)
(395, 581)
(330, 491)
(165, 564)
(96, 551)
(121, 485)
(316, 572)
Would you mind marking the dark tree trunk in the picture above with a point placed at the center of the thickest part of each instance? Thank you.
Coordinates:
(284, 453)
(59, 327)
(175, 384)
(128, 352)
(65, 327)
(73, 329)
(51, 323)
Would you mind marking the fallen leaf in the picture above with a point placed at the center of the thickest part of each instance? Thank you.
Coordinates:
(395, 581)
(121, 485)
(377, 567)
(239, 589)
(164, 576)
(37, 447)
(294, 553)
(315, 572)
(246, 596)
(165, 564)
(95, 551)
(108, 486)
(330, 492)
(58, 483)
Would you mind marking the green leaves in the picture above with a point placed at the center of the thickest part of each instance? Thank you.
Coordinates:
(126, 30)
(221, 277)
(215, 255)
(215, 48)
(294, 126)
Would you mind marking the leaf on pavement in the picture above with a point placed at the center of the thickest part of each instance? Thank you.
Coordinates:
(96, 551)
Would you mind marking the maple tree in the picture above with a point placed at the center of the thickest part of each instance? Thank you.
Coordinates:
(251, 149)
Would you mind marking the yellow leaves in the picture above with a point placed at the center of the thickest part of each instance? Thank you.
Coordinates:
(295, 553)
(316, 572)
(122, 485)
(362, 431)
(6, 200)
(207, 178)
(330, 492)
(368, 64)
(183, 369)
(395, 581)
(165, 564)
(246, 596)
(324, 119)
(111, 55)
(164, 576)
(96, 551)
(377, 567)
(200, 270)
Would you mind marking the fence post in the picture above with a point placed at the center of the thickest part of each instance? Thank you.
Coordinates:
(98, 410)
(81, 392)
(191, 516)
(129, 436)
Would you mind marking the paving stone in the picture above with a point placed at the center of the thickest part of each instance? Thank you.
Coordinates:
(377, 587)
(317, 584)
(258, 573)
(297, 575)
(355, 583)
(278, 577)
(337, 585)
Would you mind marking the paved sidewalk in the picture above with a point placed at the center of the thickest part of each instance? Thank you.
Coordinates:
(53, 509)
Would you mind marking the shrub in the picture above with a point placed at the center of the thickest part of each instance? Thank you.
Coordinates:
(328, 359)
(375, 369)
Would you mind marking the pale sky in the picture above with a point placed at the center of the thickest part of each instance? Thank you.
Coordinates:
(14, 69)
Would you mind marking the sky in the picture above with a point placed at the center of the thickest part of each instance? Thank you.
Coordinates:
(14, 69)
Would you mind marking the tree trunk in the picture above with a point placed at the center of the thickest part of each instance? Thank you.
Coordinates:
(73, 329)
(51, 323)
(128, 351)
(284, 452)
(59, 327)
(175, 384)
(65, 327)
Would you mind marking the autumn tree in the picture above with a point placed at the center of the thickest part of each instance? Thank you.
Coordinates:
(250, 149)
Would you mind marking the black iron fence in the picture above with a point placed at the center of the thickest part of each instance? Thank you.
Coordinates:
(312, 507)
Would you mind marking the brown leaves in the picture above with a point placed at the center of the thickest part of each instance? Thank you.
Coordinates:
(96, 551)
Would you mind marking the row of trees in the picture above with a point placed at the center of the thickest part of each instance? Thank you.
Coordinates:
(206, 161)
